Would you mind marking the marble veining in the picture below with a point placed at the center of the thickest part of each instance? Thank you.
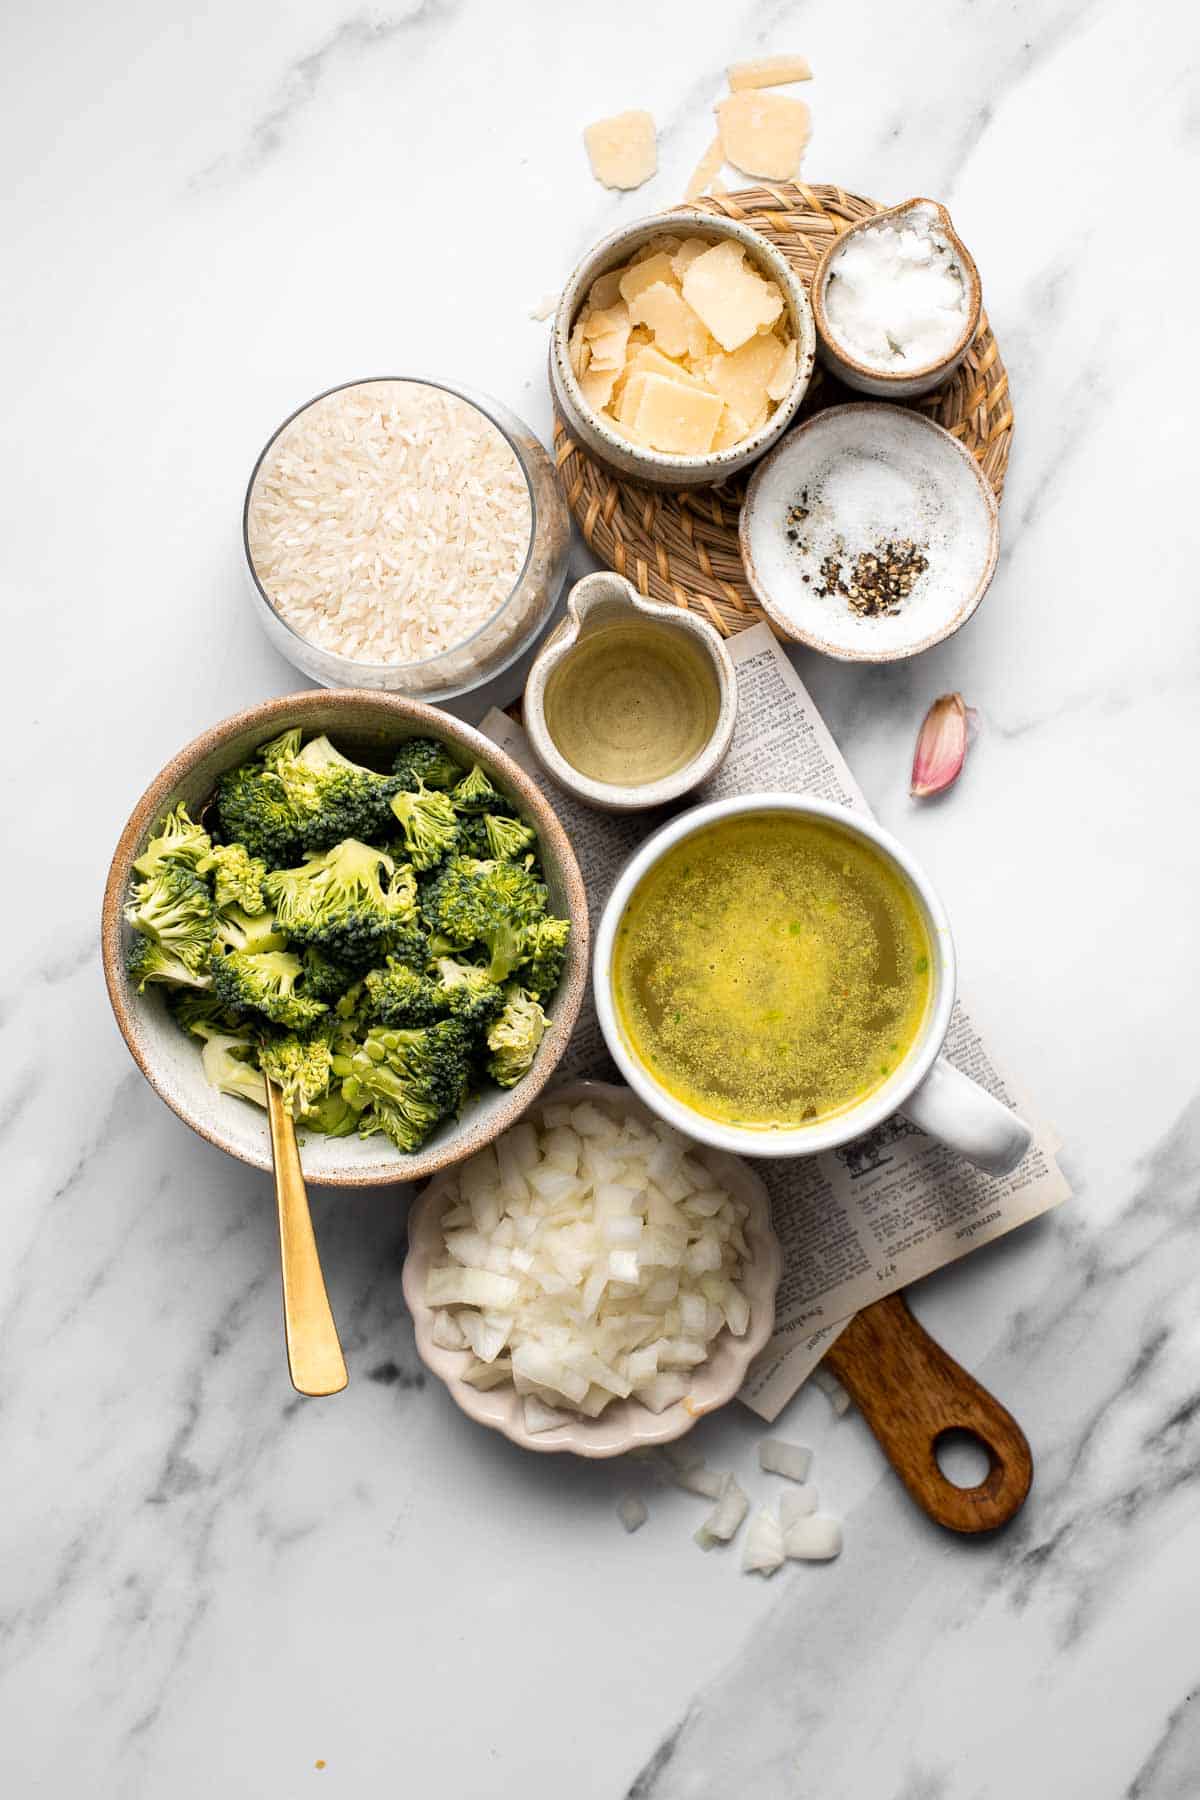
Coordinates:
(207, 1584)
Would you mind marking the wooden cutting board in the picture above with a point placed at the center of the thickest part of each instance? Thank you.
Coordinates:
(912, 1394)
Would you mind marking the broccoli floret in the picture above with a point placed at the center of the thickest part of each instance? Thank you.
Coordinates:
(193, 1008)
(400, 995)
(237, 877)
(514, 1038)
(429, 824)
(424, 762)
(236, 929)
(225, 1061)
(507, 839)
(301, 1068)
(467, 992)
(338, 901)
(253, 808)
(332, 1115)
(475, 793)
(334, 798)
(473, 838)
(173, 906)
(178, 839)
(264, 983)
(545, 953)
(148, 961)
(409, 1079)
(325, 979)
(487, 903)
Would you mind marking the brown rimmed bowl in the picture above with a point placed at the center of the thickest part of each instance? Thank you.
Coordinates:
(626, 1424)
(371, 727)
(865, 474)
(896, 384)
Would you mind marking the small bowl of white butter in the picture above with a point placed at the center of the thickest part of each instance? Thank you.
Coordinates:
(896, 300)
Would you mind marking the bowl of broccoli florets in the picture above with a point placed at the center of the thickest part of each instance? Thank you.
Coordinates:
(363, 900)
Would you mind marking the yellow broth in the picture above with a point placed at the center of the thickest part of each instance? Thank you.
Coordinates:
(771, 970)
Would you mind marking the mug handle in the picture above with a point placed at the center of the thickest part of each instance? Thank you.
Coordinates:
(959, 1113)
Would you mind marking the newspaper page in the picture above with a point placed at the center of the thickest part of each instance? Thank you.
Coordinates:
(856, 1223)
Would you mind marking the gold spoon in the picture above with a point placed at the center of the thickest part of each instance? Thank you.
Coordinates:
(315, 1359)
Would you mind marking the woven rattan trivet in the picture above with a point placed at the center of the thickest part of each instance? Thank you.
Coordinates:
(682, 545)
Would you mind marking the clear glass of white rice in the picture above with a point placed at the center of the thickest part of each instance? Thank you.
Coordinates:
(405, 535)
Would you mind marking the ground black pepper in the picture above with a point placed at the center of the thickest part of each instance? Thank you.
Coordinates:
(879, 580)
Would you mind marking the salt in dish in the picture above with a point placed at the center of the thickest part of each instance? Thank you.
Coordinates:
(864, 484)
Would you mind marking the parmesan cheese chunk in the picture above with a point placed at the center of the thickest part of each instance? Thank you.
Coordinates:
(622, 150)
(677, 330)
(764, 134)
(768, 71)
(596, 386)
(687, 253)
(732, 429)
(649, 360)
(784, 372)
(708, 166)
(679, 420)
(730, 298)
(742, 376)
(641, 275)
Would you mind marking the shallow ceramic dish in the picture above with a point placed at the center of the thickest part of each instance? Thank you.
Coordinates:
(870, 473)
(626, 1424)
(596, 601)
(595, 432)
(369, 726)
(493, 646)
(896, 384)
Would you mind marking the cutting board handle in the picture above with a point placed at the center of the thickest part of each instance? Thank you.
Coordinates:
(911, 1394)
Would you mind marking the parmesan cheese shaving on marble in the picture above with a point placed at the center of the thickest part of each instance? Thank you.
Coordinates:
(708, 167)
(768, 71)
(623, 150)
(764, 134)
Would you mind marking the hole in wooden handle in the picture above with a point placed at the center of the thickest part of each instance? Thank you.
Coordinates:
(963, 1457)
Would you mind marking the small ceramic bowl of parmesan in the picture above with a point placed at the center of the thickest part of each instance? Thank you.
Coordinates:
(897, 301)
(682, 348)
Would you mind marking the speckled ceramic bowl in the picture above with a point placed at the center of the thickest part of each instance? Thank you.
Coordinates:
(594, 431)
(626, 1424)
(896, 384)
(604, 599)
(369, 726)
(868, 474)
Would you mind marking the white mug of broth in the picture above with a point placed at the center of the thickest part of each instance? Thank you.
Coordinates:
(775, 976)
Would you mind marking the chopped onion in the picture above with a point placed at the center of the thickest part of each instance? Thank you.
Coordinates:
(779, 1458)
(833, 1390)
(816, 1538)
(598, 1253)
(762, 1551)
(632, 1512)
(448, 1334)
(800, 1503)
(453, 1286)
(725, 1520)
(540, 1417)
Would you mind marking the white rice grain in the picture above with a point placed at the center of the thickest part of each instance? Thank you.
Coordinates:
(389, 521)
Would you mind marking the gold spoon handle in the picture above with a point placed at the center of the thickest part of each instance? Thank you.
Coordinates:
(315, 1358)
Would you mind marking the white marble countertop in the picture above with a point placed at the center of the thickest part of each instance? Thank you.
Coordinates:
(209, 1586)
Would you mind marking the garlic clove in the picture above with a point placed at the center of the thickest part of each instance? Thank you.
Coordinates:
(941, 747)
